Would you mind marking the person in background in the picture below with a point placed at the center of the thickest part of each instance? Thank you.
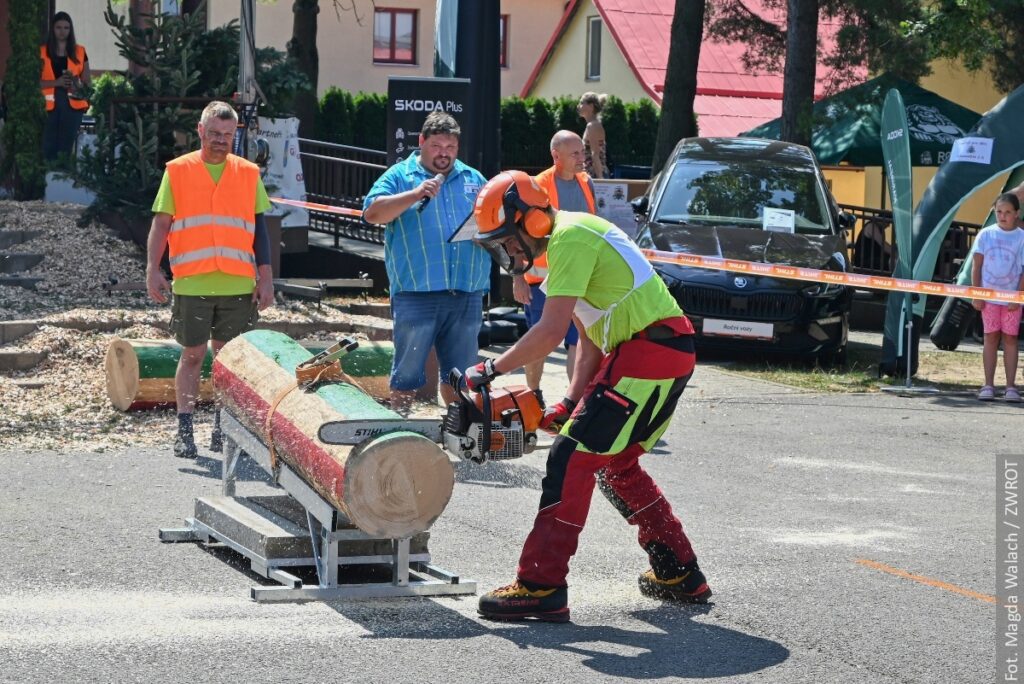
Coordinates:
(65, 71)
(999, 264)
(436, 286)
(570, 189)
(594, 147)
(209, 213)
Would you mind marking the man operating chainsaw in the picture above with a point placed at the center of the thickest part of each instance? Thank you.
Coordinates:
(635, 357)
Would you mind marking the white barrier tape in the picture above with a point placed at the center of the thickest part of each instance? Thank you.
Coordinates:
(325, 208)
(811, 275)
(814, 275)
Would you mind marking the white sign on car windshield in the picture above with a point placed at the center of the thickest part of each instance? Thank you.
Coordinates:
(779, 220)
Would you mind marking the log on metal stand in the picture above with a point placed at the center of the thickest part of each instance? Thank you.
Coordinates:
(391, 486)
(140, 373)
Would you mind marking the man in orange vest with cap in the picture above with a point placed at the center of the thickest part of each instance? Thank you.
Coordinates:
(209, 214)
(569, 189)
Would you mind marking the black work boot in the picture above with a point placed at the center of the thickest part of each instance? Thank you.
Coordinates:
(216, 437)
(689, 586)
(185, 443)
(522, 600)
(185, 446)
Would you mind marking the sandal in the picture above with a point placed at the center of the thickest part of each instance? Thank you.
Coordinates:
(1012, 394)
(986, 393)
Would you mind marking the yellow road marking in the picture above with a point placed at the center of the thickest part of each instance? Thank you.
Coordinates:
(987, 598)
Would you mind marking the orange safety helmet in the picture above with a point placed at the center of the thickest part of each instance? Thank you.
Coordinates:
(510, 202)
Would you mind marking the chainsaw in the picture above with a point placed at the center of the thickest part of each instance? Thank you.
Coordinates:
(492, 424)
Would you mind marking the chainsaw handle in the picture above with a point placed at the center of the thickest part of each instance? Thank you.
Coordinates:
(457, 383)
(485, 428)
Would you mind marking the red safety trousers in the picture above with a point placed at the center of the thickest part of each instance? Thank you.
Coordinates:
(568, 486)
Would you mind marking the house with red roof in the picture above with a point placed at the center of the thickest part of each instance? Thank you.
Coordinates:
(620, 47)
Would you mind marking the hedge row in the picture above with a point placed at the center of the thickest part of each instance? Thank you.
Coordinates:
(526, 126)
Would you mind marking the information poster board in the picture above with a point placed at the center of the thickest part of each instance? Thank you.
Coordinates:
(411, 99)
(283, 173)
(613, 197)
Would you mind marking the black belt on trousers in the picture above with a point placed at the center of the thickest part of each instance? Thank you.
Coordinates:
(656, 332)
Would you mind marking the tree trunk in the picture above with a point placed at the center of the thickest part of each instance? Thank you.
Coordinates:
(302, 48)
(390, 486)
(798, 77)
(677, 120)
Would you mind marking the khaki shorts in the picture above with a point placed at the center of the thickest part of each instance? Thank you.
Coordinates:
(195, 320)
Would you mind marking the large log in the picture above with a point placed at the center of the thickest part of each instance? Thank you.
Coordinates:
(140, 373)
(391, 486)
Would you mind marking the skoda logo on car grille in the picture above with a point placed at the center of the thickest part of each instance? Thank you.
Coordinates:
(739, 281)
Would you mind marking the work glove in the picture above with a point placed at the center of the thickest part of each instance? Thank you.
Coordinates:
(481, 374)
(555, 416)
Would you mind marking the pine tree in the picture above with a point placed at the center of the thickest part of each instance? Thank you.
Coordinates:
(23, 131)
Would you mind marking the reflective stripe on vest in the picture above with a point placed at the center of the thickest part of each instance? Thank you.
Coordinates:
(48, 75)
(214, 224)
(546, 180)
(214, 219)
(211, 252)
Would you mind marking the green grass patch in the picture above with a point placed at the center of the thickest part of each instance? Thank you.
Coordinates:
(947, 371)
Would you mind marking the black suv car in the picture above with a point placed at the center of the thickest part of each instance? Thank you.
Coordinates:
(755, 200)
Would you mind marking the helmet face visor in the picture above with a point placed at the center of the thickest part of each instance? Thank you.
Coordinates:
(510, 253)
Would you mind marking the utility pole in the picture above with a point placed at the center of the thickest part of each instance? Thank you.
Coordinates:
(249, 94)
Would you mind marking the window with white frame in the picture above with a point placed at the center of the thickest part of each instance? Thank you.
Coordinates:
(594, 48)
(394, 35)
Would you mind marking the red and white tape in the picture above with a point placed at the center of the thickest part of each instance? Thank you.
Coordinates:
(313, 206)
(810, 275)
(814, 275)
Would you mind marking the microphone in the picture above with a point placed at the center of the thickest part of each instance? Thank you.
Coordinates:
(426, 200)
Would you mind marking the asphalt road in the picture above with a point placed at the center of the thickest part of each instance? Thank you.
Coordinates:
(803, 509)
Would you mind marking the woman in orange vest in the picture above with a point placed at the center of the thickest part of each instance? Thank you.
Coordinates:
(65, 71)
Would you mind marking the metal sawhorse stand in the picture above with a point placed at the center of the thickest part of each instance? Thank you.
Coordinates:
(261, 529)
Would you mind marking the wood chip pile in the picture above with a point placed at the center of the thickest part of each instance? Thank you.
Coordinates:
(62, 402)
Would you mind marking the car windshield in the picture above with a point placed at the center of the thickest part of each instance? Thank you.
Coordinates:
(737, 191)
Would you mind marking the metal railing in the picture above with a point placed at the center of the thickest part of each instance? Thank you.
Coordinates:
(873, 246)
(340, 175)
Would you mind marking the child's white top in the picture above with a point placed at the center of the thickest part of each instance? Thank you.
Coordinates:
(1004, 257)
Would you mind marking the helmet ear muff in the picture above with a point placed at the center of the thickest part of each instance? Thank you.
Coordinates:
(536, 223)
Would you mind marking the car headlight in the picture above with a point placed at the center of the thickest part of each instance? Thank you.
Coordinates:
(821, 290)
(671, 282)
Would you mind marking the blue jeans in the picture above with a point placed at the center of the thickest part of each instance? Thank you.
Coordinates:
(448, 321)
(535, 309)
(61, 130)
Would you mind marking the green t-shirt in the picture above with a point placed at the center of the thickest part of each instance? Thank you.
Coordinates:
(581, 263)
(216, 283)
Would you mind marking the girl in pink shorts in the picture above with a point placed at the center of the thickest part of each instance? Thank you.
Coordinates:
(999, 265)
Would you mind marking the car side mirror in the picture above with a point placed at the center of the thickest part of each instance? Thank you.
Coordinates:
(640, 205)
(846, 220)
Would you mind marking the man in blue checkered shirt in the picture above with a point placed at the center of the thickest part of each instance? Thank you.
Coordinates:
(436, 287)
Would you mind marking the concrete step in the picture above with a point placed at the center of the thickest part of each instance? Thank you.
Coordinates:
(370, 309)
(15, 330)
(9, 238)
(20, 359)
(19, 263)
(20, 281)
